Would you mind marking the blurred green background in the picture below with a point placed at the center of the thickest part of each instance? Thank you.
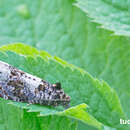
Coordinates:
(64, 30)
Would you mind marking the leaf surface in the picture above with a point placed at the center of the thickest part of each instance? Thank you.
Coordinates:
(102, 100)
(112, 15)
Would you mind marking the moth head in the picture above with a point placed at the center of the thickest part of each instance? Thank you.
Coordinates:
(57, 85)
(60, 95)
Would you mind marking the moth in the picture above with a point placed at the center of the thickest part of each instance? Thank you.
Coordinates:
(20, 86)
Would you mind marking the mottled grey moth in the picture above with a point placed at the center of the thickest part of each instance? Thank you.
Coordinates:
(20, 86)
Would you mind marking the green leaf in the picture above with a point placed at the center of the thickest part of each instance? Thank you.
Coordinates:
(112, 15)
(82, 87)
(13, 118)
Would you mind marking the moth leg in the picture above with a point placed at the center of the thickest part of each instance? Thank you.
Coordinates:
(29, 104)
(67, 106)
